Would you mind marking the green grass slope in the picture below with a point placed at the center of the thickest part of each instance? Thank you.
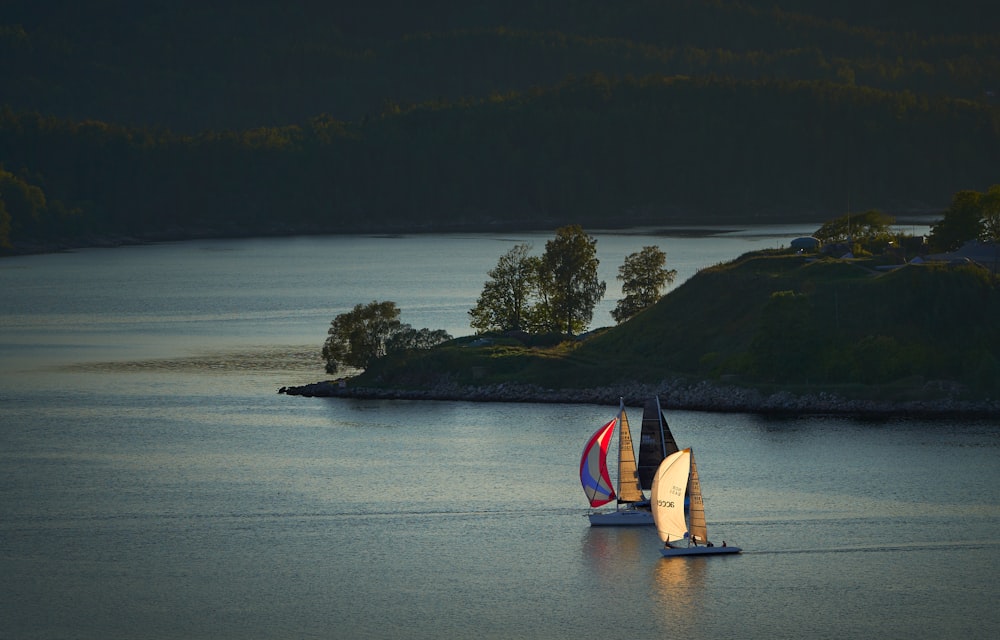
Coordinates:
(770, 320)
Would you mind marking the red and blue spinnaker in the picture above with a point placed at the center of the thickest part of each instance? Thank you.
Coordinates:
(594, 474)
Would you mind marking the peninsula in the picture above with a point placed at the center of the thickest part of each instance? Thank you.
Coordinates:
(776, 332)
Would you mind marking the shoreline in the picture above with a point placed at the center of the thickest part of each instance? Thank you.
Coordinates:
(702, 396)
(110, 240)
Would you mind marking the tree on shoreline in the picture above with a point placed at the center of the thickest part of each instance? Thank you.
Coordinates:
(370, 331)
(864, 231)
(568, 280)
(554, 293)
(505, 303)
(643, 277)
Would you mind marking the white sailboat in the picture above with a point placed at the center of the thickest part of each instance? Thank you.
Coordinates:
(632, 506)
(683, 534)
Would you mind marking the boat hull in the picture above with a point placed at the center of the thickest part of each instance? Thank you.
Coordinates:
(624, 518)
(673, 552)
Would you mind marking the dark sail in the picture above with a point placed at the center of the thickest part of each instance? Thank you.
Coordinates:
(655, 443)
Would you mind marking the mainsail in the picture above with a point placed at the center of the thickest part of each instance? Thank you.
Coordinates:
(669, 486)
(629, 489)
(696, 515)
(655, 442)
(594, 474)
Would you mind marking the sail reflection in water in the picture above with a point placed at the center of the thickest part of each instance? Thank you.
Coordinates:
(679, 587)
(613, 553)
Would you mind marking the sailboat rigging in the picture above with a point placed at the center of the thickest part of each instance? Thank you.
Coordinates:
(682, 533)
(656, 442)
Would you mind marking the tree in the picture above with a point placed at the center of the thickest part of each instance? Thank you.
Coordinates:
(22, 206)
(643, 277)
(4, 226)
(568, 284)
(370, 331)
(358, 337)
(962, 221)
(505, 301)
(866, 228)
(991, 222)
(990, 209)
(410, 338)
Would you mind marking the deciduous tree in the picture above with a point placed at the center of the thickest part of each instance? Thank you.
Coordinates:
(369, 331)
(990, 207)
(568, 280)
(410, 338)
(990, 203)
(4, 226)
(643, 277)
(962, 221)
(506, 298)
(858, 227)
(358, 337)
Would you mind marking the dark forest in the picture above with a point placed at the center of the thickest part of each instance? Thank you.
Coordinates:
(178, 119)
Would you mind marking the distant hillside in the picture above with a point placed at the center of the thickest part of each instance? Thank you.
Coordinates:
(124, 120)
(189, 65)
(769, 320)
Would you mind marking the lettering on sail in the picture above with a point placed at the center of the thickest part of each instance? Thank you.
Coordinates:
(675, 490)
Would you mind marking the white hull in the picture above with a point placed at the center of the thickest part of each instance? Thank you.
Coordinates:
(623, 518)
(670, 552)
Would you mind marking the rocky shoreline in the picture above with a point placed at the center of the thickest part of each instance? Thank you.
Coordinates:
(700, 396)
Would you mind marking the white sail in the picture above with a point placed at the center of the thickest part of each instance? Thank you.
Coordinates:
(667, 497)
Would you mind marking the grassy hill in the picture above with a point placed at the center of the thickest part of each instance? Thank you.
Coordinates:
(769, 320)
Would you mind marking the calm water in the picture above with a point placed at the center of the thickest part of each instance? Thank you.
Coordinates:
(154, 485)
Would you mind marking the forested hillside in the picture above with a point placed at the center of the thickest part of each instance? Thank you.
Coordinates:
(168, 119)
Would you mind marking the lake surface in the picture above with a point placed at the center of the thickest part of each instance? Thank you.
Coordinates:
(153, 484)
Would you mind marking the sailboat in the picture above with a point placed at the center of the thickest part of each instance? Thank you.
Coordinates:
(683, 534)
(656, 442)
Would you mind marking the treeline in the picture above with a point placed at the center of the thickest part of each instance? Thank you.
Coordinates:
(193, 66)
(179, 118)
(594, 150)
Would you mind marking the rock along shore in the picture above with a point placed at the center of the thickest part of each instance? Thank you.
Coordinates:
(700, 396)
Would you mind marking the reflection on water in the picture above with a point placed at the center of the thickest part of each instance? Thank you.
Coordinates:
(608, 549)
(292, 358)
(679, 590)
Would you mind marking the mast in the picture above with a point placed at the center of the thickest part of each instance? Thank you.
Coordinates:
(629, 489)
